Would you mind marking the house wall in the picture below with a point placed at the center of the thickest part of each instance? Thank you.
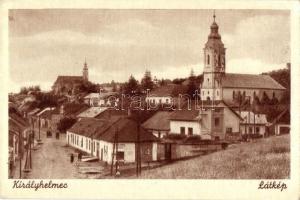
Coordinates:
(230, 121)
(175, 127)
(159, 100)
(245, 128)
(159, 133)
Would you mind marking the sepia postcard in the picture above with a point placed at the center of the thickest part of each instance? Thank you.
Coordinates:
(150, 99)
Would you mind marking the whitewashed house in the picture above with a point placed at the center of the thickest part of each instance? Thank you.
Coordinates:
(158, 124)
(253, 123)
(165, 95)
(97, 137)
(110, 99)
(210, 121)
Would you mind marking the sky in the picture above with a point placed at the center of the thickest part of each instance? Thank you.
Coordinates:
(45, 43)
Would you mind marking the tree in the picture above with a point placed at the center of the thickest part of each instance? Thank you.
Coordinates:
(265, 100)
(114, 86)
(146, 81)
(191, 87)
(132, 86)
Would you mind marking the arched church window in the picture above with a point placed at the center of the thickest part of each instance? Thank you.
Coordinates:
(208, 59)
(217, 93)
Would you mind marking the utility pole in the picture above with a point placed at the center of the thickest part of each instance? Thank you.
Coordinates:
(39, 140)
(116, 141)
(138, 147)
(112, 156)
(20, 152)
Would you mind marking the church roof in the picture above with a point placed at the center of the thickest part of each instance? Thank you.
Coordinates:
(250, 81)
(64, 79)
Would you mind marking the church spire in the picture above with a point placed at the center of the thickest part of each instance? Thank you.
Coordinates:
(85, 71)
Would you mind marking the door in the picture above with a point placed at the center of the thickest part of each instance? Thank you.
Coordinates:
(168, 152)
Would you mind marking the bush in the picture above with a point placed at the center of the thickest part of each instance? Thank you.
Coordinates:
(173, 136)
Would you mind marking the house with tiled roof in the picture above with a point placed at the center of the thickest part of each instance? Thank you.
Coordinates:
(98, 137)
(17, 126)
(219, 85)
(158, 124)
(166, 94)
(102, 99)
(209, 121)
(253, 123)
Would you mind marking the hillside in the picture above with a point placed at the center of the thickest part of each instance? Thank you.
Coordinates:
(268, 158)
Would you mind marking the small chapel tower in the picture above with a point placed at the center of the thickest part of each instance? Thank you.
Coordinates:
(85, 72)
(214, 65)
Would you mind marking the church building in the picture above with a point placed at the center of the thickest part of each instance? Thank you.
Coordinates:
(67, 84)
(219, 85)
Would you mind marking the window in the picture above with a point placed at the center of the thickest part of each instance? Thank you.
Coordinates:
(233, 94)
(256, 129)
(250, 130)
(217, 93)
(228, 130)
(203, 93)
(159, 101)
(217, 121)
(182, 130)
(81, 142)
(219, 60)
(167, 100)
(190, 131)
(208, 80)
(208, 92)
(120, 155)
(208, 59)
(159, 134)
(86, 143)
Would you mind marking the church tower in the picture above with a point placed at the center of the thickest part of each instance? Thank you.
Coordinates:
(85, 72)
(214, 65)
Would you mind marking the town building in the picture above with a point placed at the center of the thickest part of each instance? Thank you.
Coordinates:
(253, 123)
(209, 121)
(281, 124)
(68, 84)
(109, 99)
(158, 124)
(219, 85)
(99, 137)
(167, 95)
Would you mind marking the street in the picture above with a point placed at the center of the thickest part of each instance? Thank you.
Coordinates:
(51, 160)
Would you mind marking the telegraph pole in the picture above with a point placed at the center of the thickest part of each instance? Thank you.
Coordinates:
(39, 140)
(20, 152)
(113, 155)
